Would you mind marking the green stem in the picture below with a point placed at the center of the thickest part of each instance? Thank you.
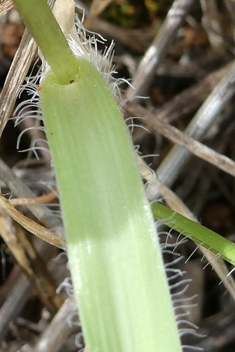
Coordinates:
(37, 14)
(196, 232)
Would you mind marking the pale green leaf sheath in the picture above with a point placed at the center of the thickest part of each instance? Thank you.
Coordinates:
(115, 260)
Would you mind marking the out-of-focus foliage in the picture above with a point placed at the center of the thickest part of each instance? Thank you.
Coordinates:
(135, 13)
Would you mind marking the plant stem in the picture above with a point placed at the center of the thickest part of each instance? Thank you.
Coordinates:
(41, 23)
(196, 232)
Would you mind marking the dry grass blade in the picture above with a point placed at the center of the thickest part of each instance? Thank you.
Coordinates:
(41, 212)
(46, 198)
(157, 51)
(16, 75)
(5, 6)
(29, 260)
(212, 24)
(135, 39)
(231, 9)
(9, 236)
(179, 107)
(19, 295)
(58, 330)
(172, 133)
(33, 227)
(206, 116)
(14, 303)
(96, 8)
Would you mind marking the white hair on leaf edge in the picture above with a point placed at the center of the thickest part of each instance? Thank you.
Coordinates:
(178, 285)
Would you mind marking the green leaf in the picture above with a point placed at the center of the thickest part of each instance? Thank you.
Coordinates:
(115, 259)
(196, 232)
